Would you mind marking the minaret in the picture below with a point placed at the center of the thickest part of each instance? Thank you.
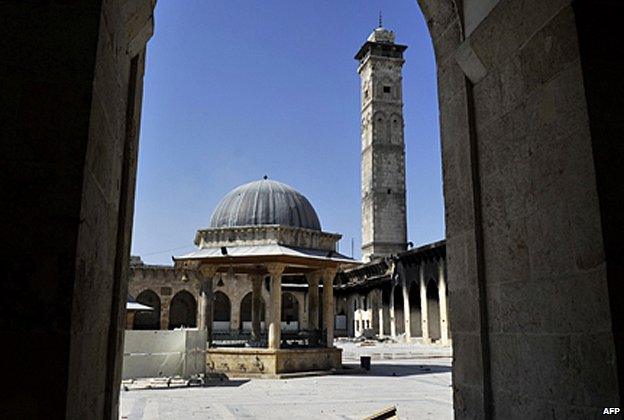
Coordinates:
(384, 223)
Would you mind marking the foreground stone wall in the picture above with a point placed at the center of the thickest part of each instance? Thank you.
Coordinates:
(70, 111)
(532, 294)
(529, 119)
(43, 164)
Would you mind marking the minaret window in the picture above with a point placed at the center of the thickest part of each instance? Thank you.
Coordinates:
(386, 89)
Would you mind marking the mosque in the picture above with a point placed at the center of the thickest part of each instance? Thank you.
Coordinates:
(267, 282)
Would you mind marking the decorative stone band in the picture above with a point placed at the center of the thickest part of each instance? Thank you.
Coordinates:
(266, 235)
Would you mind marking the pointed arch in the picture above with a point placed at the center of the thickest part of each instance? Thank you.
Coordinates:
(246, 311)
(148, 320)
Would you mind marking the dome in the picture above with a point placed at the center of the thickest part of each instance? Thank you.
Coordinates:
(265, 202)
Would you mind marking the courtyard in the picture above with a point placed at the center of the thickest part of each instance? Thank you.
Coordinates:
(414, 378)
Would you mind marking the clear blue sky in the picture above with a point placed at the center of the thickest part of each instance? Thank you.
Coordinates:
(236, 89)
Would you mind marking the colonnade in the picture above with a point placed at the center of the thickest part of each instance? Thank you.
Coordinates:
(315, 279)
(369, 311)
(424, 307)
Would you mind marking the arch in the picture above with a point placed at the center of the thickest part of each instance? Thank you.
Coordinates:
(290, 308)
(246, 314)
(396, 128)
(380, 125)
(222, 307)
(148, 320)
(183, 310)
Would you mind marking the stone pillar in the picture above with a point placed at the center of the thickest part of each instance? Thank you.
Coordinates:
(392, 317)
(380, 311)
(406, 307)
(275, 330)
(443, 303)
(165, 305)
(130, 319)
(328, 306)
(235, 327)
(301, 315)
(313, 300)
(256, 306)
(350, 317)
(424, 308)
(206, 299)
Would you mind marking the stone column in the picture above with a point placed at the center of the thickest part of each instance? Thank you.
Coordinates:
(206, 299)
(328, 306)
(301, 315)
(313, 300)
(130, 319)
(275, 330)
(424, 308)
(392, 317)
(357, 317)
(165, 304)
(380, 312)
(235, 317)
(350, 317)
(443, 303)
(407, 314)
(256, 306)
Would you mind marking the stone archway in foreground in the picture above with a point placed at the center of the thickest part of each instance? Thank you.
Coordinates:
(530, 164)
(533, 183)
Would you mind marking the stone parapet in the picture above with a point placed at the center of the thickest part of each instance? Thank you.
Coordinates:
(267, 235)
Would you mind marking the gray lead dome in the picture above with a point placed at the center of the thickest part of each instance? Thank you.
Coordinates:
(265, 202)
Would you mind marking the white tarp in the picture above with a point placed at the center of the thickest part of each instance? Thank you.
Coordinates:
(158, 353)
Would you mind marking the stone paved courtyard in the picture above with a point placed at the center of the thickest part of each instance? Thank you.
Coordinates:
(419, 387)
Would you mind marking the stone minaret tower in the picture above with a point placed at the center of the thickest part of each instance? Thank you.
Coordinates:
(384, 223)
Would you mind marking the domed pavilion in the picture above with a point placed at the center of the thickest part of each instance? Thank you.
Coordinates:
(267, 230)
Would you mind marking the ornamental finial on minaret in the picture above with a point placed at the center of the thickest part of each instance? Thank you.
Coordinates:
(381, 34)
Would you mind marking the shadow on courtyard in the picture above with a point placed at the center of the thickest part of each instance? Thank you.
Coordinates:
(402, 370)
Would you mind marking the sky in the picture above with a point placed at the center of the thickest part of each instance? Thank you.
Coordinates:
(238, 89)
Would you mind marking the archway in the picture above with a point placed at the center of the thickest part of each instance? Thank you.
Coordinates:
(290, 312)
(148, 320)
(222, 312)
(502, 41)
(246, 313)
(183, 311)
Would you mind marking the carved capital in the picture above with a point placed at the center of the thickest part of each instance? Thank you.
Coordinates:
(275, 269)
(314, 277)
(328, 276)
